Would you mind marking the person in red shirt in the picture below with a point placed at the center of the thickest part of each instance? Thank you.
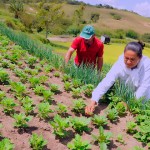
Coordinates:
(89, 49)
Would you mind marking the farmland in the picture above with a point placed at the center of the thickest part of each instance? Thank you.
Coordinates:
(37, 99)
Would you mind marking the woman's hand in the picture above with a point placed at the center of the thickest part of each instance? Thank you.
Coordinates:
(90, 108)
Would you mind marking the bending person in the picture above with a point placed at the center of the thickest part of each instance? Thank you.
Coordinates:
(133, 68)
(89, 49)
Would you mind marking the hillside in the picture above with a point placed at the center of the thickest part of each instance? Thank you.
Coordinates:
(129, 20)
(106, 22)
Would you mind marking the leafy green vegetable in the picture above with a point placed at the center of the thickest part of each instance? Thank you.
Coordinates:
(6, 144)
(99, 120)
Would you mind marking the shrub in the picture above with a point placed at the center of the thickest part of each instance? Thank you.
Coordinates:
(146, 37)
(73, 30)
(95, 17)
(115, 16)
(132, 34)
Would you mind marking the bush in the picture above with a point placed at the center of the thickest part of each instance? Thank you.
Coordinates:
(73, 30)
(132, 34)
(119, 34)
(146, 37)
(95, 17)
(115, 16)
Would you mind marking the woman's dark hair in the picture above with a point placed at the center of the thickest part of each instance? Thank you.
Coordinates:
(137, 47)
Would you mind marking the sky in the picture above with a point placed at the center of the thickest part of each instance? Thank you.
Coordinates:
(141, 7)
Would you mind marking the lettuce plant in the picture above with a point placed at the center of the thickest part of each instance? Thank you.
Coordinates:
(88, 90)
(4, 77)
(39, 90)
(120, 139)
(76, 93)
(57, 74)
(21, 120)
(27, 100)
(6, 144)
(48, 95)
(103, 138)
(80, 124)
(112, 114)
(121, 108)
(78, 144)
(61, 109)
(131, 127)
(34, 81)
(44, 110)
(48, 68)
(28, 108)
(8, 105)
(54, 88)
(43, 79)
(59, 125)
(78, 106)
(67, 86)
(31, 61)
(99, 120)
(19, 88)
(65, 77)
(2, 95)
(76, 83)
(37, 142)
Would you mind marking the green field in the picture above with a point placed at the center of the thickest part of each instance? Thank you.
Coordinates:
(111, 51)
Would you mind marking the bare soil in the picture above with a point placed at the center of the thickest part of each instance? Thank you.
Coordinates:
(20, 138)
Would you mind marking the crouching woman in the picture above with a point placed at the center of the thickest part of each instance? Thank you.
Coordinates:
(133, 68)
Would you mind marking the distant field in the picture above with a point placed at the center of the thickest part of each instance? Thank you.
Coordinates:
(111, 51)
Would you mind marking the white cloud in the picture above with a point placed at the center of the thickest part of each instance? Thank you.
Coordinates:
(143, 9)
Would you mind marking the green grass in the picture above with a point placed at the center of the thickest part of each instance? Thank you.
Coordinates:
(111, 51)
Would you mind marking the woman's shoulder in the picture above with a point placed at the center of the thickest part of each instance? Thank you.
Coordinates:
(145, 61)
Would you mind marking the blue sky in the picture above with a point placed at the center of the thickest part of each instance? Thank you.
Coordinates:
(141, 7)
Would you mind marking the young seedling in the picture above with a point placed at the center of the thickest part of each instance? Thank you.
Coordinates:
(34, 81)
(120, 139)
(103, 138)
(34, 72)
(54, 88)
(80, 124)
(99, 120)
(131, 127)
(88, 90)
(79, 106)
(6, 144)
(76, 83)
(21, 120)
(12, 66)
(78, 144)
(39, 90)
(61, 109)
(8, 105)
(4, 77)
(27, 100)
(121, 108)
(5, 64)
(137, 148)
(59, 125)
(112, 114)
(21, 74)
(48, 96)
(57, 74)
(65, 78)
(37, 142)
(42, 62)
(67, 86)
(31, 61)
(19, 88)
(43, 79)
(2, 95)
(28, 108)
(48, 68)
(44, 110)
(76, 93)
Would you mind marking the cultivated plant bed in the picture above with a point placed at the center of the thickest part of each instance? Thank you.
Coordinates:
(41, 108)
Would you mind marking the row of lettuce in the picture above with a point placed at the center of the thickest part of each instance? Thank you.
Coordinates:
(139, 128)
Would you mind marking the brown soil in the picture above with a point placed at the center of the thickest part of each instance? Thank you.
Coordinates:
(20, 138)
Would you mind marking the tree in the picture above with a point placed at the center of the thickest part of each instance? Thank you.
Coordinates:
(16, 6)
(94, 17)
(78, 15)
(49, 15)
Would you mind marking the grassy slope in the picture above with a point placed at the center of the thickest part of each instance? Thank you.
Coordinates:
(106, 22)
(111, 51)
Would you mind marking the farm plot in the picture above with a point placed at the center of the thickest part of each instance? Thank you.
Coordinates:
(41, 108)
